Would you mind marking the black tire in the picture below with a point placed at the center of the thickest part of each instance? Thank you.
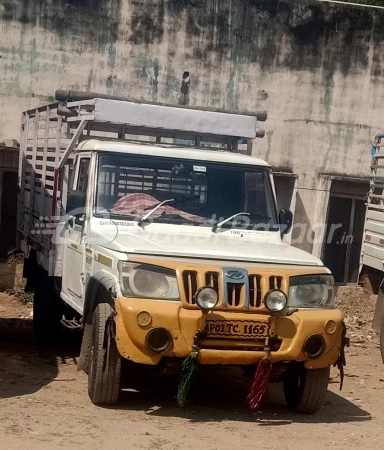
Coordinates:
(47, 308)
(103, 385)
(86, 346)
(305, 389)
(382, 337)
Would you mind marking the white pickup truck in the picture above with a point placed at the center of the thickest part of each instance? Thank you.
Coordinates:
(153, 229)
(372, 252)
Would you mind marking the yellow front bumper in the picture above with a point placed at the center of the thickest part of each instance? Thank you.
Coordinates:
(292, 331)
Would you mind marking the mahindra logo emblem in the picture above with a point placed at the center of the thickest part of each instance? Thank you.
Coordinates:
(234, 275)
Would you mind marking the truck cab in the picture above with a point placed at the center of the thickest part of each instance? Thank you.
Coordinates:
(165, 249)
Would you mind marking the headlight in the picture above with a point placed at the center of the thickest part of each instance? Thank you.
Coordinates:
(311, 291)
(146, 281)
(206, 297)
(275, 300)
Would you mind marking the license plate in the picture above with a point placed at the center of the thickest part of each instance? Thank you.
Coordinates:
(237, 328)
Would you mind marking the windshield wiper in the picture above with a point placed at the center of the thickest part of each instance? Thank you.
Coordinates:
(174, 201)
(223, 222)
(228, 219)
(149, 214)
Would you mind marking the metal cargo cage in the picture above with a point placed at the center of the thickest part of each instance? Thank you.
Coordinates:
(50, 134)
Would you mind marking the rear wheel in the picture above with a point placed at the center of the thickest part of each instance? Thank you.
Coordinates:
(305, 389)
(47, 308)
(104, 365)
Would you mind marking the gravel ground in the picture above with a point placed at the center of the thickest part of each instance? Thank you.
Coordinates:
(44, 402)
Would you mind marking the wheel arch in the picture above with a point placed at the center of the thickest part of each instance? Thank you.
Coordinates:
(101, 288)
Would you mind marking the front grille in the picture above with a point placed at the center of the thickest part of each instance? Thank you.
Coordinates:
(255, 295)
(190, 286)
(234, 294)
(212, 279)
(275, 282)
(238, 289)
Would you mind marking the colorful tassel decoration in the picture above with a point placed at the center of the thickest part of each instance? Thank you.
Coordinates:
(188, 374)
(261, 379)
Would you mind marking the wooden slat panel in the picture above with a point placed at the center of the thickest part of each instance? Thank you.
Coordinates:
(32, 180)
(375, 215)
(52, 143)
(373, 239)
(375, 251)
(44, 161)
(52, 131)
(36, 172)
(40, 170)
(48, 184)
(56, 204)
(48, 178)
(375, 227)
(22, 168)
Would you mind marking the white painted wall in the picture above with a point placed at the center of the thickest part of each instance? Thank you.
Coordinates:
(315, 67)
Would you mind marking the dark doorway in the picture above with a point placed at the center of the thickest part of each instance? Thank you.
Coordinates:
(343, 238)
(8, 213)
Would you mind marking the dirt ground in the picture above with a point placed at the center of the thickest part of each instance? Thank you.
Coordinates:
(44, 402)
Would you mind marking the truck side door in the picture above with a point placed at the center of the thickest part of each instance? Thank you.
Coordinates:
(73, 267)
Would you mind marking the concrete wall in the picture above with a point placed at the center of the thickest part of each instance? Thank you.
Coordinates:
(315, 66)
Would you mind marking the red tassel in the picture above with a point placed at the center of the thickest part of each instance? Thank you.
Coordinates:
(260, 380)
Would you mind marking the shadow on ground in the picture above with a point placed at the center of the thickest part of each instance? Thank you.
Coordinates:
(221, 394)
(27, 365)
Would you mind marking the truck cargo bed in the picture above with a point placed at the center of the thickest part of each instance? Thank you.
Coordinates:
(372, 254)
(50, 135)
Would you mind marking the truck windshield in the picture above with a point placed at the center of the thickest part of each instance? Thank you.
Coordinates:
(193, 193)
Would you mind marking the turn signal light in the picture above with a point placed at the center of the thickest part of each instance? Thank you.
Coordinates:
(330, 326)
(144, 318)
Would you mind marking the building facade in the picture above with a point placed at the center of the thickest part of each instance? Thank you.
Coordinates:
(315, 66)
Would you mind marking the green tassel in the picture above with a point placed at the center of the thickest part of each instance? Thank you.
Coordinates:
(187, 377)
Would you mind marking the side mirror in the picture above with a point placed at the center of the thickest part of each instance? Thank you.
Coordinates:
(76, 204)
(285, 220)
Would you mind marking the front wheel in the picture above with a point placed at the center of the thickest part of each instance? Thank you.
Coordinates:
(305, 389)
(104, 364)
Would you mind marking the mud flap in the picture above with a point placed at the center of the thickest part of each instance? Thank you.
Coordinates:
(341, 361)
(109, 335)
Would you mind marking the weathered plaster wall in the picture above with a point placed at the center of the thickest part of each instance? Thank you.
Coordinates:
(316, 67)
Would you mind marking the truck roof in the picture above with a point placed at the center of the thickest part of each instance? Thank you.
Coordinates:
(169, 151)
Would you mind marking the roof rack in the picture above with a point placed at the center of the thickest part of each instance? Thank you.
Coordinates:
(92, 114)
(51, 133)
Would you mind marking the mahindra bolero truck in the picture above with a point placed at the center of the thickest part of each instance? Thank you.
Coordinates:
(153, 230)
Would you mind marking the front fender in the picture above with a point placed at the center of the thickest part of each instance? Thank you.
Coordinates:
(101, 288)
